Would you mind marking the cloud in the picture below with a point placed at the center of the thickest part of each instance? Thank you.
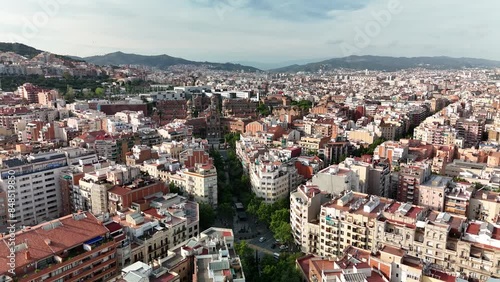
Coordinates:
(290, 10)
(259, 30)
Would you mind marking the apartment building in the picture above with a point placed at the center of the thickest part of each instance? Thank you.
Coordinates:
(107, 149)
(91, 193)
(432, 236)
(156, 225)
(471, 130)
(362, 135)
(200, 182)
(9, 116)
(411, 176)
(333, 152)
(477, 254)
(121, 197)
(335, 180)
(75, 247)
(442, 157)
(437, 134)
(139, 154)
(314, 143)
(401, 232)
(433, 192)
(273, 180)
(36, 186)
(176, 131)
(354, 265)
(361, 169)
(393, 151)
(388, 264)
(379, 179)
(457, 199)
(219, 261)
(140, 271)
(305, 205)
(484, 206)
(349, 220)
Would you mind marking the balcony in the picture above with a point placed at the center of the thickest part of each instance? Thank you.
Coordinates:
(80, 261)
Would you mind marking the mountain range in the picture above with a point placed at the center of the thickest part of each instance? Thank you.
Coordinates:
(160, 62)
(382, 63)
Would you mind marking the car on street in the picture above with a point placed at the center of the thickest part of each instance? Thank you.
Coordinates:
(262, 239)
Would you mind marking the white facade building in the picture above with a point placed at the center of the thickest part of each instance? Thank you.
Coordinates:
(272, 181)
(36, 186)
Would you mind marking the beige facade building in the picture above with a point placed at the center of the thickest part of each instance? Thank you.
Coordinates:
(349, 221)
(365, 136)
(164, 223)
(305, 205)
(201, 182)
(433, 192)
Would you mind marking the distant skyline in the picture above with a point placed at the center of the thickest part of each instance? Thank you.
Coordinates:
(258, 31)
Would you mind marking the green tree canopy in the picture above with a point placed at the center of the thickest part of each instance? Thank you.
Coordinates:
(99, 92)
(207, 216)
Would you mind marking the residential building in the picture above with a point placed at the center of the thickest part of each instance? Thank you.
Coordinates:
(433, 192)
(38, 195)
(155, 225)
(219, 262)
(305, 205)
(411, 176)
(75, 247)
(349, 220)
(336, 180)
(272, 180)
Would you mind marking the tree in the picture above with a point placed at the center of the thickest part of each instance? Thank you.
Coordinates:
(264, 212)
(459, 179)
(67, 76)
(253, 205)
(263, 110)
(99, 92)
(283, 271)
(248, 261)
(173, 188)
(207, 216)
(225, 210)
(478, 185)
(283, 232)
(279, 217)
(70, 94)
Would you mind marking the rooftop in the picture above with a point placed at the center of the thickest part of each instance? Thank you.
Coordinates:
(52, 238)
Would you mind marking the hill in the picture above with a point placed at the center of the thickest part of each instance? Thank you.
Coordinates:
(30, 52)
(20, 49)
(160, 62)
(382, 63)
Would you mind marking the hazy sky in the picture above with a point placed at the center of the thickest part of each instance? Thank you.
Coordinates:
(256, 30)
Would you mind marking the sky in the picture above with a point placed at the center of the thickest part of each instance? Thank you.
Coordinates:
(266, 31)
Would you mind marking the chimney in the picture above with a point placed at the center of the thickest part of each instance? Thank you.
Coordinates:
(48, 242)
(27, 255)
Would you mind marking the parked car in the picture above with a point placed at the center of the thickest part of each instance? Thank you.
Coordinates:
(262, 239)
(273, 246)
